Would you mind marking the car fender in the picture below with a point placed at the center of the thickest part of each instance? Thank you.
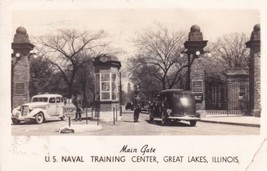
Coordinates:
(37, 110)
(16, 114)
(16, 111)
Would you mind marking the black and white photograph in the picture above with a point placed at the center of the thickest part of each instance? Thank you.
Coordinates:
(132, 85)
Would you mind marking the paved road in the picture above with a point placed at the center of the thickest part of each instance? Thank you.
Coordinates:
(127, 127)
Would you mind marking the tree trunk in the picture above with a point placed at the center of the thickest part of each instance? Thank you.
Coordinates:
(70, 90)
(85, 100)
(163, 84)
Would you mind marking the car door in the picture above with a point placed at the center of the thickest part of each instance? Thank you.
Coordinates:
(52, 107)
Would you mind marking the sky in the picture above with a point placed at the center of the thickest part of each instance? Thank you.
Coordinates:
(122, 24)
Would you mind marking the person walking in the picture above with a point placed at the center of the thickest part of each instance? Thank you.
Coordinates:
(137, 108)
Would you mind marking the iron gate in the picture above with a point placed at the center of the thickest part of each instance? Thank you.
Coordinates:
(227, 99)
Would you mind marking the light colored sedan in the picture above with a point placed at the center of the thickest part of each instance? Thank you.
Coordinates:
(41, 107)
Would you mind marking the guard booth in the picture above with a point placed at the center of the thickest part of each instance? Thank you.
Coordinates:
(107, 87)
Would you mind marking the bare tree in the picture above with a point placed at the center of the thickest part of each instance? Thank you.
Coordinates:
(148, 85)
(68, 50)
(159, 54)
(231, 51)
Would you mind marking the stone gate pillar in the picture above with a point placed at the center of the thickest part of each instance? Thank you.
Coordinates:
(107, 87)
(254, 71)
(238, 90)
(198, 75)
(20, 69)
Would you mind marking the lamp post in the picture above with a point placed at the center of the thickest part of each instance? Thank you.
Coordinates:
(17, 56)
(193, 49)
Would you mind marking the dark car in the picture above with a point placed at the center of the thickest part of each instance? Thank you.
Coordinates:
(145, 105)
(129, 105)
(174, 104)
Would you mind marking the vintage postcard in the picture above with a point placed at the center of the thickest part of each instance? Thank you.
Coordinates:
(133, 85)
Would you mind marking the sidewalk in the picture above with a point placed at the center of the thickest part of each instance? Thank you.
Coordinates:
(232, 120)
(238, 119)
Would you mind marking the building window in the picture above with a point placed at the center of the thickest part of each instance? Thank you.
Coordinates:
(106, 88)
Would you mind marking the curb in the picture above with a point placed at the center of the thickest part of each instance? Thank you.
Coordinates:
(231, 123)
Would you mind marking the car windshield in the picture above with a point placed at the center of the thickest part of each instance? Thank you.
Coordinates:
(39, 99)
(175, 98)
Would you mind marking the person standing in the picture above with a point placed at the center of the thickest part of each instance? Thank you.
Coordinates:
(79, 112)
(137, 108)
(77, 103)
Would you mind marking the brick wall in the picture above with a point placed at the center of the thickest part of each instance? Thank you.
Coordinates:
(254, 78)
(21, 77)
(238, 88)
(257, 82)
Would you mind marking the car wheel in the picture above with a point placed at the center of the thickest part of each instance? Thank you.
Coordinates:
(39, 118)
(193, 123)
(15, 121)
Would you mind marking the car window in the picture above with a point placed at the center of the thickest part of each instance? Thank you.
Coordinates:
(177, 95)
(39, 99)
(52, 100)
(57, 99)
(172, 99)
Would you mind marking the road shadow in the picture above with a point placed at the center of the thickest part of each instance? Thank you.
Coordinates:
(128, 112)
(131, 112)
(172, 123)
(130, 121)
(34, 123)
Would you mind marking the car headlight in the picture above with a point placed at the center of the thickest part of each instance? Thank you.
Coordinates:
(19, 108)
(17, 114)
(185, 101)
